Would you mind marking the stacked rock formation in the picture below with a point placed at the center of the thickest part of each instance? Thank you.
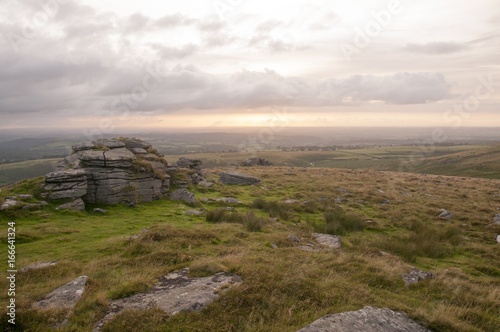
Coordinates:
(110, 172)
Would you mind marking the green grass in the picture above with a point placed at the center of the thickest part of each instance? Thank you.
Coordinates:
(338, 222)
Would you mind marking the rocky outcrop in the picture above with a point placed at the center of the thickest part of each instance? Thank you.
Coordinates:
(38, 266)
(255, 162)
(110, 172)
(367, 319)
(238, 178)
(64, 297)
(175, 293)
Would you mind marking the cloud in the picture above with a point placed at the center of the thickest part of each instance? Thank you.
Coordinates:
(436, 48)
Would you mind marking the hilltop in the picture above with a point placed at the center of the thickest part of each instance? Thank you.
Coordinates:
(389, 224)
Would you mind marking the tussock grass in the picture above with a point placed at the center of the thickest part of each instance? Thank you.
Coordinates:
(249, 220)
(424, 241)
(338, 222)
(276, 209)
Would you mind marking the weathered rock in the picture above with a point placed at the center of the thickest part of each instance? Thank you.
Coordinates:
(204, 183)
(498, 238)
(69, 184)
(110, 175)
(496, 220)
(109, 186)
(175, 293)
(274, 245)
(293, 238)
(238, 178)
(227, 200)
(138, 151)
(76, 205)
(368, 319)
(291, 201)
(37, 266)
(25, 196)
(8, 203)
(193, 212)
(189, 163)
(341, 200)
(109, 143)
(445, 214)
(182, 195)
(83, 146)
(415, 276)
(98, 210)
(133, 143)
(64, 297)
(139, 235)
(330, 241)
(256, 162)
(32, 207)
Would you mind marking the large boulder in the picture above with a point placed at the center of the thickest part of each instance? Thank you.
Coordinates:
(237, 178)
(367, 319)
(110, 172)
(8, 203)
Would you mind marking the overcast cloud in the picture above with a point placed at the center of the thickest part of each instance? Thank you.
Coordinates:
(62, 59)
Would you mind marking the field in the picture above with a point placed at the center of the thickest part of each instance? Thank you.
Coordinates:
(283, 289)
(10, 173)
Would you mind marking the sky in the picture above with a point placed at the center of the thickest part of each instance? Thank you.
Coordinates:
(108, 64)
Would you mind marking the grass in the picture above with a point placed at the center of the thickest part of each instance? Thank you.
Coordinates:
(283, 289)
(338, 222)
(249, 220)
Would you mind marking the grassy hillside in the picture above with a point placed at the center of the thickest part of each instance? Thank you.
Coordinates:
(11, 173)
(461, 160)
(283, 289)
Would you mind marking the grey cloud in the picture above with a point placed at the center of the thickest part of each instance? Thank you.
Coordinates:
(268, 26)
(167, 52)
(436, 48)
(174, 20)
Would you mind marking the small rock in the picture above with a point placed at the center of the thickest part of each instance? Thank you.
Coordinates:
(9, 203)
(293, 238)
(32, 207)
(331, 241)
(345, 191)
(76, 205)
(415, 276)
(386, 201)
(274, 245)
(193, 212)
(37, 266)
(139, 235)
(238, 178)
(98, 210)
(206, 184)
(496, 220)
(25, 196)
(182, 195)
(445, 214)
(64, 297)
(291, 201)
(43, 203)
(498, 238)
